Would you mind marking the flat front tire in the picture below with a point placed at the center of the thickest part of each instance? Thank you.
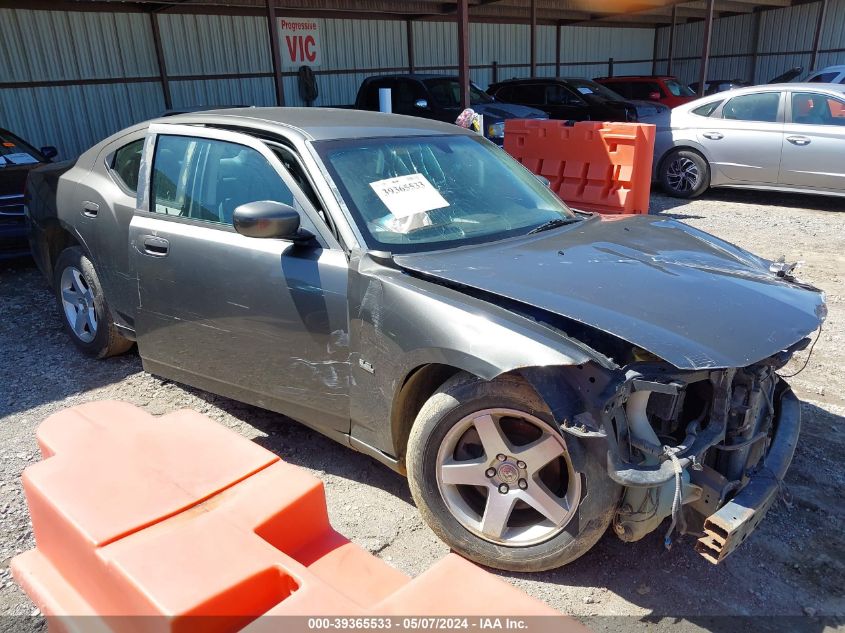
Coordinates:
(83, 308)
(499, 484)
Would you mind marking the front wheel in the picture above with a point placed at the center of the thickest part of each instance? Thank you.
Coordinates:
(83, 307)
(684, 174)
(498, 483)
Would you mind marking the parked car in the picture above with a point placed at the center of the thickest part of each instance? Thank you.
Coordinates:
(17, 158)
(786, 137)
(829, 75)
(390, 282)
(666, 90)
(438, 97)
(578, 100)
(713, 86)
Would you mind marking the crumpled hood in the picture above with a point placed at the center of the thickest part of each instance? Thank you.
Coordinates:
(504, 111)
(684, 295)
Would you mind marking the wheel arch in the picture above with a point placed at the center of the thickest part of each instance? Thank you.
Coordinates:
(58, 236)
(559, 388)
(687, 145)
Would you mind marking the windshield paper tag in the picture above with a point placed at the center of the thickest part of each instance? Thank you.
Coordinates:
(408, 195)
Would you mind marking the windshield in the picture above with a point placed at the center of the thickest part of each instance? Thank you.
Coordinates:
(422, 193)
(587, 87)
(678, 89)
(447, 93)
(14, 151)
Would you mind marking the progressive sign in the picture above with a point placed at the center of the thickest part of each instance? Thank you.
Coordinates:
(300, 42)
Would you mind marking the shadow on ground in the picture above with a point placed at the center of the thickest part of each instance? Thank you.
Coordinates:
(662, 204)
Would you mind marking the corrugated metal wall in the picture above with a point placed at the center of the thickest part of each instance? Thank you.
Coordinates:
(785, 41)
(52, 46)
(225, 60)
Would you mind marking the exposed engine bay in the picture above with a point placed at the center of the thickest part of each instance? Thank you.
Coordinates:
(686, 444)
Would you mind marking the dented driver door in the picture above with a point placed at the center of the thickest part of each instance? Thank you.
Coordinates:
(263, 321)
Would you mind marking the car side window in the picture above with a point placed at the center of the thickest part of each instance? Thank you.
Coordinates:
(532, 94)
(404, 94)
(126, 163)
(643, 89)
(205, 179)
(622, 87)
(560, 95)
(505, 93)
(371, 94)
(708, 108)
(823, 78)
(754, 107)
(811, 108)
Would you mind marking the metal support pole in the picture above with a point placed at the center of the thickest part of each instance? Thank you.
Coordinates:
(275, 52)
(557, 50)
(409, 35)
(705, 48)
(463, 51)
(654, 53)
(495, 71)
(671, 52)
(162, 69)
(610, 67)
(818, 36)
(533, 37)
(756, 45)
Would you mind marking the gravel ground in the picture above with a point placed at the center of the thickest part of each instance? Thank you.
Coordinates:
(792, 566)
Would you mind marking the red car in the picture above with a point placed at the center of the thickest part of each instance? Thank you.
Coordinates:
(667, 90)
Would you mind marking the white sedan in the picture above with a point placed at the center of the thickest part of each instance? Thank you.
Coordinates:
(782, 137)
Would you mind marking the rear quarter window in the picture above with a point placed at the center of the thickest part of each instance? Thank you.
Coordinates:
(708, 108)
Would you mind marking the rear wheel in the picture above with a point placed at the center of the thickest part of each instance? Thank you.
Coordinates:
(497, 482)
(83, 308)
(685, 174)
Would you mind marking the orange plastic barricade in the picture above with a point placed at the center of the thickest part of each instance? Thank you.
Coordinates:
(604, 167)
(178, 517)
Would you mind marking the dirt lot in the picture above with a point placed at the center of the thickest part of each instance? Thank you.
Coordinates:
(792, 566)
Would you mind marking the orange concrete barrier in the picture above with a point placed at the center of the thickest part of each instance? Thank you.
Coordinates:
(604, 167)
(180, 518)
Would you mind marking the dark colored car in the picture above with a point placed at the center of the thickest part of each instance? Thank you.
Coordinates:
(663, 89)
(17, 158)
(410, 290)
(438, 97)
(578, 100)
(718, 85)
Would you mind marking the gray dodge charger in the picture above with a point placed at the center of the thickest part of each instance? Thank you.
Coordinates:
(406, 288)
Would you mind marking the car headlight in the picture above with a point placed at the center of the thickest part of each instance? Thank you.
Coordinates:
(496, 130)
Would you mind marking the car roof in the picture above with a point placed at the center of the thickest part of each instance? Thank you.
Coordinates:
(417, 76)
(635, 77)
(519, 80)
(317, 124)
(807, 85)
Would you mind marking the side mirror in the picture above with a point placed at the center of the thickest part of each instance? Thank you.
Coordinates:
(49, 152)
(422, 104)
(266, 218)
(654, 96)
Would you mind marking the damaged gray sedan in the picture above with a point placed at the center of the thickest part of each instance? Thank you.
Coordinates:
(406, 288)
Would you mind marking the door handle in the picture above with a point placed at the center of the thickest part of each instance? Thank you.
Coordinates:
(156, 246)
(798, 140)
(90, 209)
(713, 136)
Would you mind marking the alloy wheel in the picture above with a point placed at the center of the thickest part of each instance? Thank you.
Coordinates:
(506, 476)
(78, 304)
(683, 174)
